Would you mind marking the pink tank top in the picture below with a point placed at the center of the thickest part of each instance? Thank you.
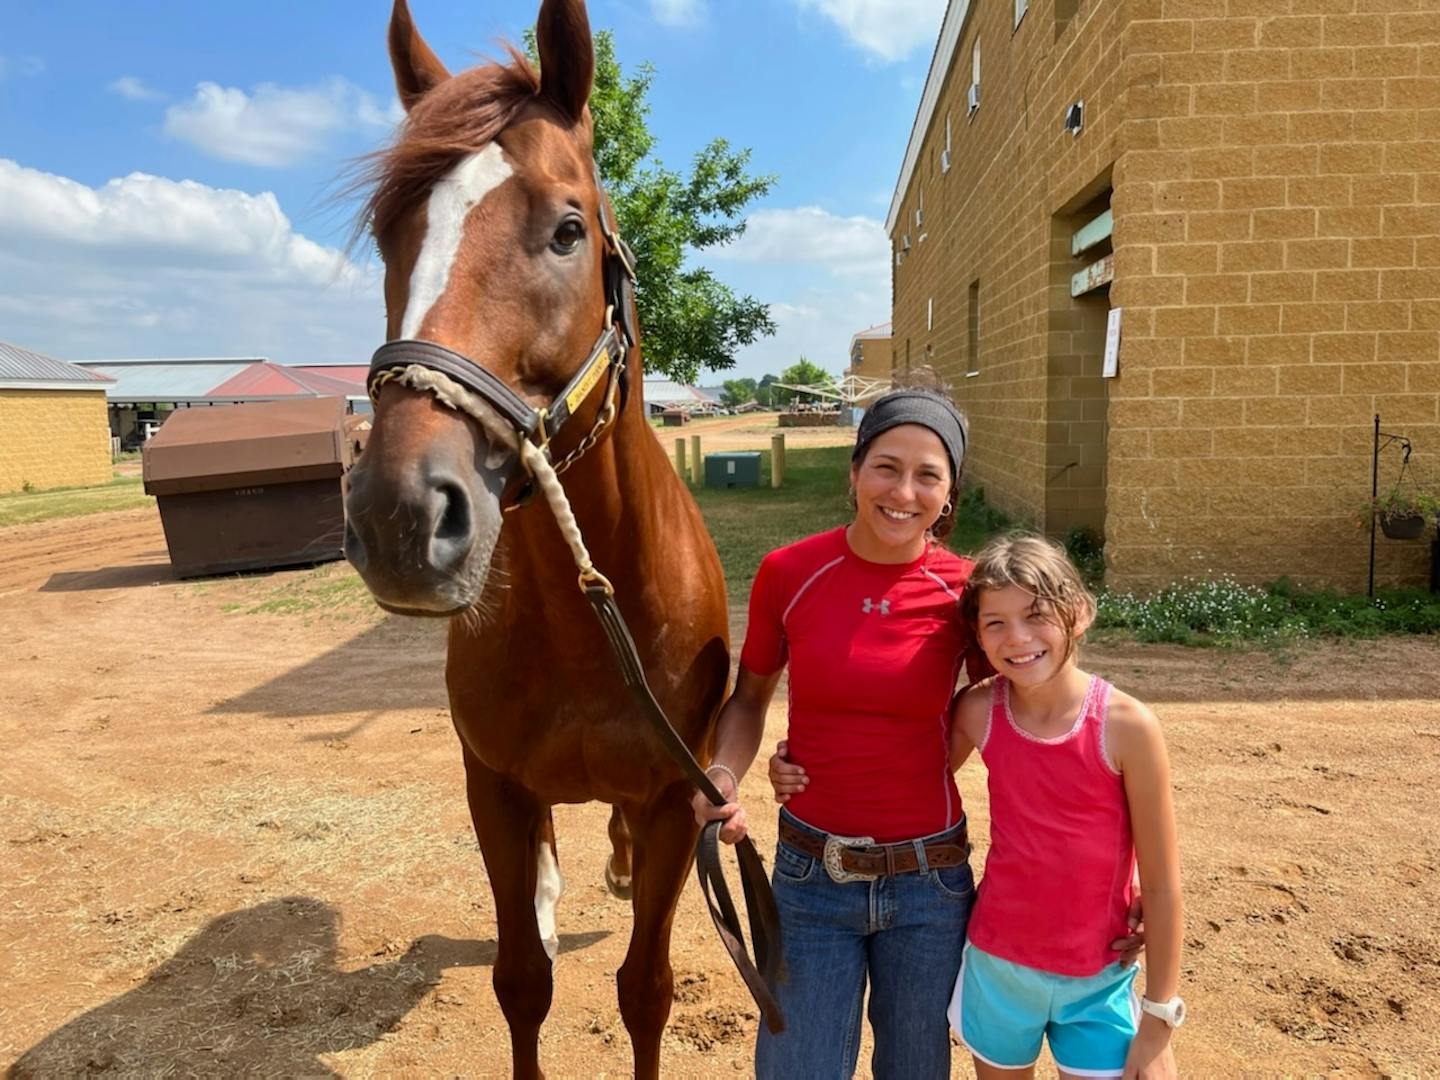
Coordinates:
(1057, 884)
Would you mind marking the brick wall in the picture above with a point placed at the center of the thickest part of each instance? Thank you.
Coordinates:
(1273, 167)
(53, 438)
(871, 358)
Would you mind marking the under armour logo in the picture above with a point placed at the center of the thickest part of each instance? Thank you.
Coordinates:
(870, 605)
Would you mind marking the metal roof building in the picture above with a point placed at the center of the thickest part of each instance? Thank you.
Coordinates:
(662, 394)
(52, 414)
(220, 380)
(24, 369)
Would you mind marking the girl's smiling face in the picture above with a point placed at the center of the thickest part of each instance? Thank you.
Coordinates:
(901, 486)
(1021, 635)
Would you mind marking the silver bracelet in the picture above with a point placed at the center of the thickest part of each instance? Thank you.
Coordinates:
(728, 772)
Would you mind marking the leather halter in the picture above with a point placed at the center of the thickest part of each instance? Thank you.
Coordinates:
(540, 426)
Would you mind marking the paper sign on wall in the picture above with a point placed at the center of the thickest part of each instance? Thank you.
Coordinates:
(1112, 344)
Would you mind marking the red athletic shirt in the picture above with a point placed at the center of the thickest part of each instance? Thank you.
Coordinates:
(874, 651)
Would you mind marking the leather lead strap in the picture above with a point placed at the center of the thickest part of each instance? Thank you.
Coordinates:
(767, 969)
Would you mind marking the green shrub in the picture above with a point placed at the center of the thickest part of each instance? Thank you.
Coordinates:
(1223, 611)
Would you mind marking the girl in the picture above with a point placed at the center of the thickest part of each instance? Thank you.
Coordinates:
(1079, 788)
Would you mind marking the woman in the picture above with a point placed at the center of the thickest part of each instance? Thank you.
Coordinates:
(872, 871)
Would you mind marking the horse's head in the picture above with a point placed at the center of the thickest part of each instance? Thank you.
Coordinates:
(488, 217)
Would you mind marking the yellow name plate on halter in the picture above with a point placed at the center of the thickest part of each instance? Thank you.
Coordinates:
(585, 385)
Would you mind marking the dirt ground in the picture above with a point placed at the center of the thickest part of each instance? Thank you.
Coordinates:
(235, 841)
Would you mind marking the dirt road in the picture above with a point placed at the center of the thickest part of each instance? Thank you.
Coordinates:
(235, 840)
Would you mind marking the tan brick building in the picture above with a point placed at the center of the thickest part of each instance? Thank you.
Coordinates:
(1272, 172)
(870, 353)
(54, 427)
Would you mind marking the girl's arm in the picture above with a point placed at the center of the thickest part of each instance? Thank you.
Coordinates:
(1138, 749)
(738, 731)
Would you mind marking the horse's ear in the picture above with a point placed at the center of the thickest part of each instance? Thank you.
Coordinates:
(417, 69)
(567, 55)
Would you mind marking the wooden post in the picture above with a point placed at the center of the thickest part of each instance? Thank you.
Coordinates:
(697, 462)
(777, 460)
(680, 456)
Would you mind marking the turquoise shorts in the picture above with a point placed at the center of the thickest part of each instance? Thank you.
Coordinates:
(1003, 1011)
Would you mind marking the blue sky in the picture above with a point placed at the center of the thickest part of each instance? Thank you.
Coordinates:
(165, 166)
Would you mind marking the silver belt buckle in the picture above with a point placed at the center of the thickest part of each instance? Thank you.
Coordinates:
(834, 848)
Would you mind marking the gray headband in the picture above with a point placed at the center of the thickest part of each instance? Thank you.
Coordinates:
(922, 407)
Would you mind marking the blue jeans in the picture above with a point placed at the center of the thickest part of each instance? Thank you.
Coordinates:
(904, 934)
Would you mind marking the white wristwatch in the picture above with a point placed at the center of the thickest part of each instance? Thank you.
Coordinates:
(1172, 1011)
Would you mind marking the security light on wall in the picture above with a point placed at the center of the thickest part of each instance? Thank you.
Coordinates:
(1075, 117)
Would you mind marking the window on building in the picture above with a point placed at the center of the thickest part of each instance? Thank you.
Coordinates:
(930, 314)
(972, 331)
(1021, 7)
(945, 154)
(972, 96)
(920, 207)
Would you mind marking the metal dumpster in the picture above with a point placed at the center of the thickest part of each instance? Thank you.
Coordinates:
(739, 469)
(246, 487)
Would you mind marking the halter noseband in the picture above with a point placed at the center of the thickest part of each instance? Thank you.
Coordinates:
(539, 426)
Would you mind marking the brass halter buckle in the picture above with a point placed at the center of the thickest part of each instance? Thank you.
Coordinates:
(834, 849)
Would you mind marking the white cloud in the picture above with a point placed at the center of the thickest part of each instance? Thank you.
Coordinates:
(888, 30)
(808, 234)
(677, 12)
(275, 125)
(147, 266)
(20, 67)
(824, 276)
(817, 325)
(130, 86)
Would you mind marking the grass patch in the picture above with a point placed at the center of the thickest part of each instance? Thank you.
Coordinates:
(330, 590)
(121, 493)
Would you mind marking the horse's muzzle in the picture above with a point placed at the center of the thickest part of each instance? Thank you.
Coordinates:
(422, 538)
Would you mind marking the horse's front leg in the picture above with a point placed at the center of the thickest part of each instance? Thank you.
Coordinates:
(517, 840)
(663, 836)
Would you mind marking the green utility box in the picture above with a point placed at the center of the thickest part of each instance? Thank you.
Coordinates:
(740, 469)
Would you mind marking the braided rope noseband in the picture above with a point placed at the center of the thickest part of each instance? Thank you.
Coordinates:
(536, 461)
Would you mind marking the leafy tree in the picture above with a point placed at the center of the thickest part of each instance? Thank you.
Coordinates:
(801, 373)
(737, 392)
(764, 395)
(689, 320)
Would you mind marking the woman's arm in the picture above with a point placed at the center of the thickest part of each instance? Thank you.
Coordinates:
(969, 713)
(738, 732)
(1138, 748)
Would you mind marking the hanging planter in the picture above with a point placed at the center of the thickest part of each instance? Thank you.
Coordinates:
(1403, 526)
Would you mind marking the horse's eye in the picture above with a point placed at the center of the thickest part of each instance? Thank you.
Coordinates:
(567, 237)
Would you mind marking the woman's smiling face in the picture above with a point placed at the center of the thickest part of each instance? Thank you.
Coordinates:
(901, 485)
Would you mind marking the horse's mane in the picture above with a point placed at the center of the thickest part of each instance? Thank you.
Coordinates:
(459, 117)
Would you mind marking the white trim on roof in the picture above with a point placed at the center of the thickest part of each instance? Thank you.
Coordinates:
(179, 360)
(955, 12)
(52, 384)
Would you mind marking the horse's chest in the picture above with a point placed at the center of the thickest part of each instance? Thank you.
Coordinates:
(580, 748)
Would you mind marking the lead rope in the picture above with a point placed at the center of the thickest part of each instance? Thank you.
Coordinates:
(761, 974)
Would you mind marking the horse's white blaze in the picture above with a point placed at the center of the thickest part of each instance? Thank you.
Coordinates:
(548, 886)
(451, 201)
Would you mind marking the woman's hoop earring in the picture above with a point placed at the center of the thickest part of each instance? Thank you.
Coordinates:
(947, 509)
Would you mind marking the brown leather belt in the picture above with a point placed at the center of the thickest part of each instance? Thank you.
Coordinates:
(847, 858)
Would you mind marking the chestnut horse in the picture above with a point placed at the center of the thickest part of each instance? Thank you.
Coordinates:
(501, 268)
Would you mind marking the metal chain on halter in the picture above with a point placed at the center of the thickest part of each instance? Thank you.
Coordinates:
(606, 414)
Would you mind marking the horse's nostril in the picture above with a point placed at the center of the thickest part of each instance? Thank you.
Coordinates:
(354, 546)
(454, 524)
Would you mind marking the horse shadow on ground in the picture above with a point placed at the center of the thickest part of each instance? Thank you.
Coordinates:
(257, 991)
(397, 664)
